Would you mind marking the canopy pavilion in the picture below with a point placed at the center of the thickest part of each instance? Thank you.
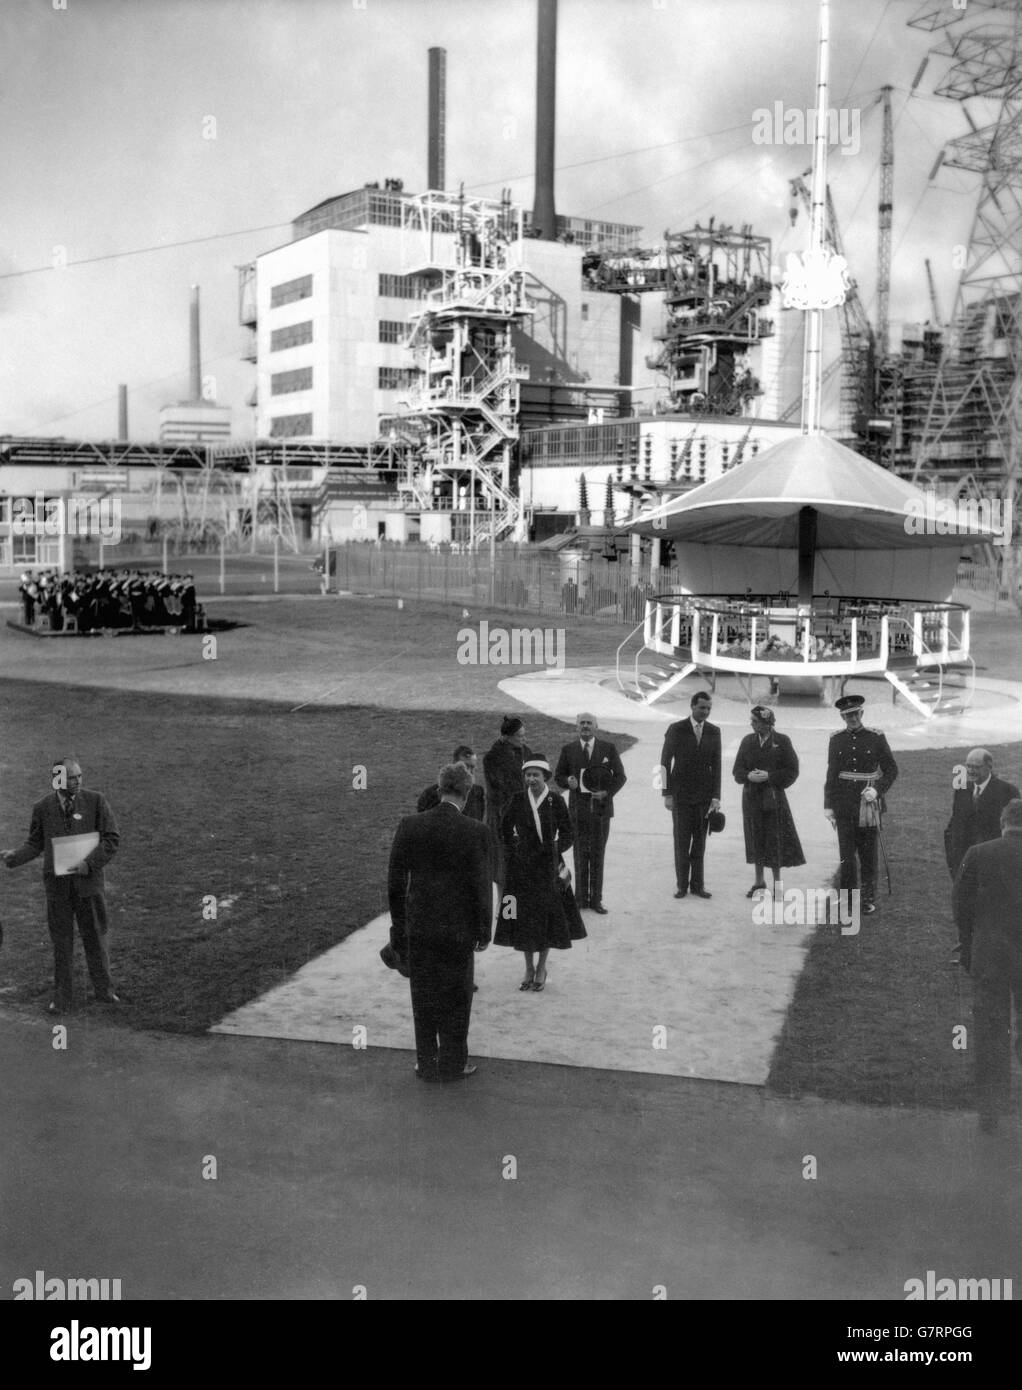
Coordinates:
(810, 564)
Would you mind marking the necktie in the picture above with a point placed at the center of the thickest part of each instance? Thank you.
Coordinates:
(699, 733)
(69, 811)
(589, 751)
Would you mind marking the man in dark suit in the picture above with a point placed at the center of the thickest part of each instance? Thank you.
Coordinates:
(976, 809)
(475, 806)
(690, 768)
(987, 899)
(71, 810)
(441, 910)
(589, 768)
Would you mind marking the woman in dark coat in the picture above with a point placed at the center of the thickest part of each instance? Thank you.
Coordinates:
(536, 831)
(766, 764)
(502, 774)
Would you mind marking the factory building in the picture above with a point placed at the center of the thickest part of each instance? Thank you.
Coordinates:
(331, 311)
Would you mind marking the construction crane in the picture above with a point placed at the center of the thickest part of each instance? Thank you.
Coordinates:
(884, 209)
(934, 302)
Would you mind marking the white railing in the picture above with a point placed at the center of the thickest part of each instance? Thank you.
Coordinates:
(830, 638)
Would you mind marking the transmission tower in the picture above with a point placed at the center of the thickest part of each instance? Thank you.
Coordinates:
(973, 428)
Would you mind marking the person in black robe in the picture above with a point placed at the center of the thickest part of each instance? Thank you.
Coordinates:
(538, 909)
(766, 764)
(502, 777)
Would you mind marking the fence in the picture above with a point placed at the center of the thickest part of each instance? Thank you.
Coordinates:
(520, 579)
(538, 582)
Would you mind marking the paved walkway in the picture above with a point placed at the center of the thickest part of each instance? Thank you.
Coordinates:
(699, 978)
(335, 1169)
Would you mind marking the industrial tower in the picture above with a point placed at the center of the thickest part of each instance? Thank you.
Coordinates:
(716, 287)
(461, 409)
(973, 428)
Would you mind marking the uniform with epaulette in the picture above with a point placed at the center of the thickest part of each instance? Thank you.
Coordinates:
(858, 759)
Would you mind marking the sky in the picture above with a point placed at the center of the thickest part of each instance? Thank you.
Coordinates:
(148, 145)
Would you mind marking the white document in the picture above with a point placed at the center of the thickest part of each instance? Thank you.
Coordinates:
(70, 850)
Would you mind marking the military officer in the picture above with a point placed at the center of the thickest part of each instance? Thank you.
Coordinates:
(860, 771)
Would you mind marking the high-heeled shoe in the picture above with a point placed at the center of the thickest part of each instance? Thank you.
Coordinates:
(527, 983)
(756, 888)
(538, 984)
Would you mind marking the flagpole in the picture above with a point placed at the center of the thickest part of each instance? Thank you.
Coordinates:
(812, 362)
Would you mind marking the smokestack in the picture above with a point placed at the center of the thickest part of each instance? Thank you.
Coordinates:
(437, 175)
(122, 414)
(196, 355)
(544, 216)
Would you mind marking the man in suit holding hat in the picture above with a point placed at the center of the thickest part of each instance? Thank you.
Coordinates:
(690, 768)
(589, 768)
(860, 771)
(441, 910)
(987, 900)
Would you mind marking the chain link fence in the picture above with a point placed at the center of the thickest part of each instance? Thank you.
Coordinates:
(518, 579)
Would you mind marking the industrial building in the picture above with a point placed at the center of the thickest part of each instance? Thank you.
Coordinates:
(454, 369)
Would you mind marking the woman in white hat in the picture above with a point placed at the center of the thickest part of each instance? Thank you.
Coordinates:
(542, 913)
(766, 764)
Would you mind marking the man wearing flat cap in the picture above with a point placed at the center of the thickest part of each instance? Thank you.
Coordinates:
(860, 771)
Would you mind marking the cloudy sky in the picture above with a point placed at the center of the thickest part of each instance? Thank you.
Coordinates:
(107, 163)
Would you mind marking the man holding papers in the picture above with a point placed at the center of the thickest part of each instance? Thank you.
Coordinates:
(75, 832)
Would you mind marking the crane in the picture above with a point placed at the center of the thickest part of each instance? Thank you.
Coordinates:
(934, 303)
(884, 227)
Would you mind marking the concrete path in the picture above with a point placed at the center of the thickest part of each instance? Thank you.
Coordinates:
(693, 988)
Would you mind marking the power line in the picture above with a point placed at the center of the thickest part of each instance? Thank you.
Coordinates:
(144, 250)
(621, 154)
(274, 226)
(136, 388)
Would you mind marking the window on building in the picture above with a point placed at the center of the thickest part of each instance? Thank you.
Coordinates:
(283, 382)
(402, 287)
(290, 291)
(23, 550)
(393, 331)
(294, 336)
(290, 426)
(397, 378)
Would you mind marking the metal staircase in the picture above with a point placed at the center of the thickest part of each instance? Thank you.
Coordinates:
(649, 683)
(934, 685)
(465, 406)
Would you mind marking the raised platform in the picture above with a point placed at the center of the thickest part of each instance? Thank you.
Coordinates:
(815, 646)
(212, 625)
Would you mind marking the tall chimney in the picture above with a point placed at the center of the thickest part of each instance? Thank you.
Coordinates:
(195, 359)
(437, 175)
(544, 216)
(122, 414)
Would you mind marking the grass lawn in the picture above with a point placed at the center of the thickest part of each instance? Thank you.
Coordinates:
(238, 799)
(251, 800)
(873, 1014)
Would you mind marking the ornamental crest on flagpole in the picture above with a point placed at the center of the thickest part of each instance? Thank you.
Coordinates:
(818, 279)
